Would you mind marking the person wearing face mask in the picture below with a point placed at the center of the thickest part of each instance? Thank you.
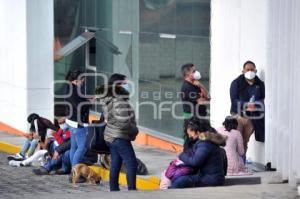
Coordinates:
(202, 153)
(194, 95)
(247, 93)
(120, 130)
(78, 115)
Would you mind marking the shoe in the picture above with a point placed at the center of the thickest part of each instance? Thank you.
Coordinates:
(61, 172)
(15, 163)
(268, 167)
(40, 171)
(17, 157)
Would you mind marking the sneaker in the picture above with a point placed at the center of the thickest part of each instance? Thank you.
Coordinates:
(40, 171)
(17, 157)
(61, 172)
(15, 163)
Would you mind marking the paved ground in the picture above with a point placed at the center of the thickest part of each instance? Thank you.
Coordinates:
(149, 155)
(20, 183)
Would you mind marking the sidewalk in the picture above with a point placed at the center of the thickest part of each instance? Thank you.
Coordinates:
(155, 160)
(259, 185)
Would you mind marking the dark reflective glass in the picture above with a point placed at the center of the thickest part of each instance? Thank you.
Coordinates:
(147, 40)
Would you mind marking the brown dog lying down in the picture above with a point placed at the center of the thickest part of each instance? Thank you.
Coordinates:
(84, 171)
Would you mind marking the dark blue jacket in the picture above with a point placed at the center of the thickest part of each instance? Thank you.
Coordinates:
(205, 157)
(240, 93)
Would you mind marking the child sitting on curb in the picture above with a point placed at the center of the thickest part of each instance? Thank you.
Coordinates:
(234, 147)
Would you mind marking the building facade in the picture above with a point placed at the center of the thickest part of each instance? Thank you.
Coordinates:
(148, 41)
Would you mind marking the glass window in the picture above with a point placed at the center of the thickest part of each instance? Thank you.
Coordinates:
(114, 52)
(75, 44)
(161, 56)
(160, 78)
(88, 13)
(104, 13)
(147, 40)
(125, 17)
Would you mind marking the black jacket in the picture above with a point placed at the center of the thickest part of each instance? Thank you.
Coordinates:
(44, 124)
(63, 147)
(80, 105)
(239, 95)
(189, 96)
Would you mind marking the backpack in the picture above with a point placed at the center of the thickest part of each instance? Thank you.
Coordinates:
(141, 167)
(224, 160)
(95, 139)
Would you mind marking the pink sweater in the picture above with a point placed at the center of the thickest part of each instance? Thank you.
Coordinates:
(234, 149)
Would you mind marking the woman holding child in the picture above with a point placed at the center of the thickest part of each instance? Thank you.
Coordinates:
(201, 153)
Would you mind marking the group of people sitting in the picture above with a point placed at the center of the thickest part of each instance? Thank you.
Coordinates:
(48, 145)
(201, 163)
(62, 144)
(208, 155)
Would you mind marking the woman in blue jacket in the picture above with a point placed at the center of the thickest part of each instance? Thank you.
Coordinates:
(202, 153)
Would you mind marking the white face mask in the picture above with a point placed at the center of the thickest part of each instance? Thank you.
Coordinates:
(196, 75)
(249, 75)
(63, 126)
(126, 87)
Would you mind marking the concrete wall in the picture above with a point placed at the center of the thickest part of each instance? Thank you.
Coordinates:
(13, 67)
(266, 32)
(26, 54)
(40, 37)
(238, 34)
(283, 90)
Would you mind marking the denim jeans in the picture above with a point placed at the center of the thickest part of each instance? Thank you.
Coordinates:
(122, 150)
(186, 181)
(63, 162)
(197, 180)
(30, 146)
(78, 145)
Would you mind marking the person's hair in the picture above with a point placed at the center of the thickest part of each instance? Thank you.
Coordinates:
(73, 75)
(249, 62)
(197, 125)
(56, 124)
(30, 119)
(186, 68)
(116, 78)
(230, 123)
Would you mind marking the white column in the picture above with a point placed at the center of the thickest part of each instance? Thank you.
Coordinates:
(13, 63)
(238, 34)
(40, 37)
(26, 54)
(282, 124)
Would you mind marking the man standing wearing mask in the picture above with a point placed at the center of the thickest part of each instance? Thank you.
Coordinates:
(194, 96)
(247, 93)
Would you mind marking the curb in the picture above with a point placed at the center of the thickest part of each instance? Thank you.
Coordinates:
(151, 183)
(9, 148)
